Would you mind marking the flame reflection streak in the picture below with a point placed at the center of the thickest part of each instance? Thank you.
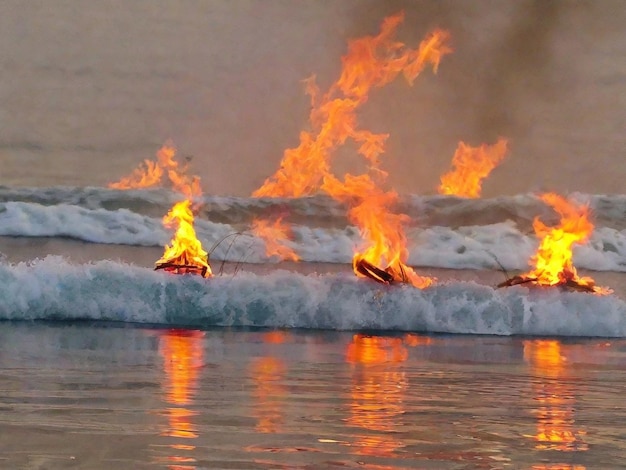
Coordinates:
(182, 358)
(268, 374)
(555, 403)
(377, 392)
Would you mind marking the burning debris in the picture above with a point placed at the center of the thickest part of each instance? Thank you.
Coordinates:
(185, 254)
(382, 229)
(553, 260)
(371, 62)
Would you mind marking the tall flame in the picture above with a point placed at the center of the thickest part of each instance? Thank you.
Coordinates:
(371, 62)
(471, 166)
(184, 254)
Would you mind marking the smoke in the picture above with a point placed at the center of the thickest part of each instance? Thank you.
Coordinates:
(223, 80)
(521, 70)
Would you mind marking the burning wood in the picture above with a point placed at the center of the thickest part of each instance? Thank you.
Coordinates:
(371, 62)
(568, 284)
(553, 260)
(367, 269)
(185, 254)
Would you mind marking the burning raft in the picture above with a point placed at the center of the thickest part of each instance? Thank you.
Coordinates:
(185, 255)
(553, 259)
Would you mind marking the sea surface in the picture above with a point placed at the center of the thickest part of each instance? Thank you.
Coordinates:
(102, 396)
(107, 363)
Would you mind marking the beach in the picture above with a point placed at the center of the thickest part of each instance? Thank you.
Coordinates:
(334, 124)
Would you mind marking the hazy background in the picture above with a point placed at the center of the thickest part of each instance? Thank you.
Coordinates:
(89, 89)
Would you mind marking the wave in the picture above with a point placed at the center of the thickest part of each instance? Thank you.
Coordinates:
(424, 210)
(465, 247)
(53, 289)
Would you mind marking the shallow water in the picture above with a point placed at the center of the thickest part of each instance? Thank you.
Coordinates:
(87, 396)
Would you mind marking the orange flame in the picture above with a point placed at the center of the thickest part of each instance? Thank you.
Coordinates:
(275, 234)
(553, 260)
(382, 229)
(471, 166)
(371, 61)
(185, 254)
(150, 173)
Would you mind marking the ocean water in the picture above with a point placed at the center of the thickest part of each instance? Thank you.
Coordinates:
(106, 362)
(85, 396)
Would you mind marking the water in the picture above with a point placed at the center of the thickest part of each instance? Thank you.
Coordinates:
(105, 362)
(82, 396)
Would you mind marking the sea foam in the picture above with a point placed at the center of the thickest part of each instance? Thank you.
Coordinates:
(465, 247)
(54, 289)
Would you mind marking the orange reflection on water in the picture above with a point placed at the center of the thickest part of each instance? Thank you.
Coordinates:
(558, 466)
(377, 391)
(182, 359)
(268, 375)
(556, 426)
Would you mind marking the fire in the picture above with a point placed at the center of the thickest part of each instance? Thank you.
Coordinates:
(274, 234)
(381, 228)
(553, 259)
(150, 173)
(184, 254)
(371, 62)
(471, 166)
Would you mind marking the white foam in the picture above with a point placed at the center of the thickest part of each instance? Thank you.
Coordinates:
(472, 247)
(53, 289)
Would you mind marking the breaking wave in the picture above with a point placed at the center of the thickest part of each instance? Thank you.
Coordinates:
(477, 246)
(54, 289)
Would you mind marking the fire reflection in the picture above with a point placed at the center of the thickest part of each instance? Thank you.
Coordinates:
(268, 373)
(378, 391)
(555, 402)
(182, 358)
